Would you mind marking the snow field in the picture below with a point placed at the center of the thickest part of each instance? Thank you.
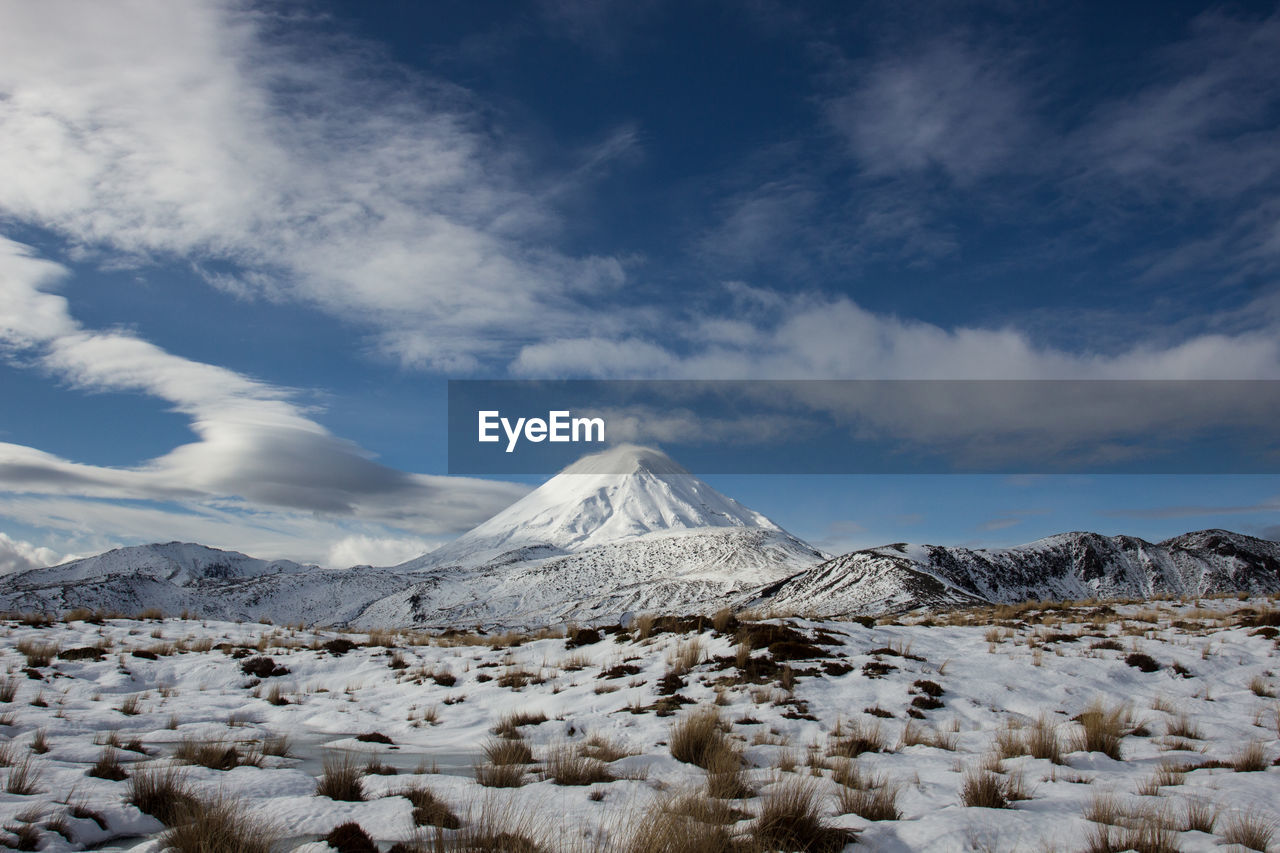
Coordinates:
(914, 716)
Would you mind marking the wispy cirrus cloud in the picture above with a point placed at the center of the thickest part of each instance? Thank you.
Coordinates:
(206, 131)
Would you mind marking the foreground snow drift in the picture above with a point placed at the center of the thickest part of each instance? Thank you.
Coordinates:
(1139, 711)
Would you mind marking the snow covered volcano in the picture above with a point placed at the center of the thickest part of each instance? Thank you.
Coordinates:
(602, 499)
(623, 530)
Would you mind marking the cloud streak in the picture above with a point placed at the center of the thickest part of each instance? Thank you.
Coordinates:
(254, 445)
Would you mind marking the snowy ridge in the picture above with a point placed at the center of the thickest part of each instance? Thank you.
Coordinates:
(682, 571)
(183, 577)
(629, 530)
(1066, 566)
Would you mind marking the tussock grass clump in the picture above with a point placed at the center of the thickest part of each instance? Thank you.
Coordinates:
(681, 825)
(1249, 829)
(38, 654)
(501, 751)
(131, 705)
(162, 793)
(342, 779)
(509, 725)
(350, 837)
(984, 789)
(24, 778)
(601, 748)
(726, 779)
(1142, 662)
(917, 735)
(1182, 727)
(215, 754)
(1168, 773)
(698, 737)
(1252, 758)
(859, 737)
(1146, 835)
(277, 745)
(220, 825)
(26, 836)
(500, 775)
(429, 810)
(791, 819)
(1198, 816)
(564, 765)
(8, 688)
(39, 742)
(501, 829)
(1102, 729)
(1039, 740)
(1262, 686)
(108, 766)
(869, 796)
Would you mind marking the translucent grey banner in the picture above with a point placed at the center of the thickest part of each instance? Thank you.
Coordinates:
(512, 427)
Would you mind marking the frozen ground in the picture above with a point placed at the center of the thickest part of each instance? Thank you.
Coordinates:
(794, 696)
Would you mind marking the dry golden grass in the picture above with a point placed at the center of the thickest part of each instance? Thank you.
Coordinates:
(726, 777)
(216, 754)
(915, 734)
(1249, 829)
(791, 818)
(1198, 815)
(856, 737)
(698, 736)
(38, 654)
(162, 793)
(1252, 758)
(24, 777)
(603, 749)
(342, 778)
(220, 825)
(564, 765)
(681, 824)
(869, 796)
(428, 809)
(503, 751)
(1182, 727)
(1102, 729)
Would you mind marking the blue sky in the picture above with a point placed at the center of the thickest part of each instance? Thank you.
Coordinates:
(243, 246)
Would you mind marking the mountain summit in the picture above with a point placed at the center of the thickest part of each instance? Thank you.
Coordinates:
(604, 498)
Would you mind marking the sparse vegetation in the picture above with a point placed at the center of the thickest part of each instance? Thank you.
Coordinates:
(162, 793)
(565, 765)
(1103, 729)
(698, 737)
(429, 810)
(24, 777)
(342, 778)
(219, 825)
(1249, 829)
(791, 818)
(216, 754)
(870, 797)
(108, 766)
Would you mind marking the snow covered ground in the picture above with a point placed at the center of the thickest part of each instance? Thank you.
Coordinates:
(922, 707)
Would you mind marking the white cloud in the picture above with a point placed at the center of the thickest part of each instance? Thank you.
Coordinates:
(364, 550)
(254, 443)
(943, 105)
(78, 525)
(19, 556)
(811, 336)
(203, 131)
